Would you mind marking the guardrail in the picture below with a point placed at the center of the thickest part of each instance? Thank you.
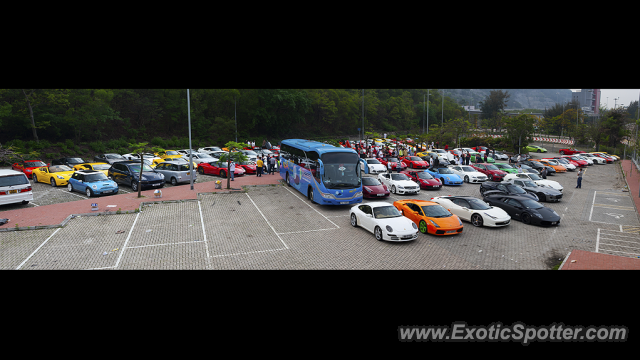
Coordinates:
(546, 139)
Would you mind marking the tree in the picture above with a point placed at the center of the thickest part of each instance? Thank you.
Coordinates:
(140, 149)
(493, 105)
(520, 130)
(236, 156)
(42, 96)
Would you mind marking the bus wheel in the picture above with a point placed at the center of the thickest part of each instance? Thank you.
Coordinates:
(310, 194)
(288, 182)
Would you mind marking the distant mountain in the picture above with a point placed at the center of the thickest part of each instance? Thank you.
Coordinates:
(519, 99)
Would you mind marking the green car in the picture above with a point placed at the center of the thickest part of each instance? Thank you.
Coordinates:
(507, 168)
(535, 148)
(489, 158)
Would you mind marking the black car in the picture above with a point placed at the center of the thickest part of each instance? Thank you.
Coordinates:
(524, 209)
(543, 193)
(536, 165)
(127, 173)
(493, 188)
(523, 157)
(108, 158)
(70, 162)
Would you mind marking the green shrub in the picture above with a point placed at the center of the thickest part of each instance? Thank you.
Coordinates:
(158, 141)
(52, 156)
(97, 146)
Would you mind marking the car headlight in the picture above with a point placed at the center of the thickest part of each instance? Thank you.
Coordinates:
(538, 215)
(60, 177)
(369, 190)
(447, 178)
(491, 216)
(389, 228)
(414, 225)
(94, 187)
(434, 224)
(161, 175)
(400, 187)
(460, 222)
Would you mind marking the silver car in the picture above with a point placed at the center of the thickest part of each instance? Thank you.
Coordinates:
(199, 157)
(176, 172)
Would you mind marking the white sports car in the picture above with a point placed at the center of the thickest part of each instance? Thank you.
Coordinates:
(536, 179)
(372, 166)
(474, 210)
(468, 174)
(566, 163)
(399, 183)
(594, 158)
(384, 221)
(587, 159)
(442, 153)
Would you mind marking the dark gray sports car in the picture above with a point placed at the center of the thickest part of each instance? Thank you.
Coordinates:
(524, 209)
(543, 193)
(493, 187)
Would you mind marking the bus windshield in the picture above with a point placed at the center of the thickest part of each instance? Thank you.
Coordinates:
(340, 170)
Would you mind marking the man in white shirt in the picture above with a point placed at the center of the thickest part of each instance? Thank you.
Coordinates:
(232, 169)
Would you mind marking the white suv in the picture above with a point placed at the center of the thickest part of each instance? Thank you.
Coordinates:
(14, 188)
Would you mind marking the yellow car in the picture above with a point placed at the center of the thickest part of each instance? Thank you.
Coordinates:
(604, 152)
(56, 175)
(102, 167)
(169, 154)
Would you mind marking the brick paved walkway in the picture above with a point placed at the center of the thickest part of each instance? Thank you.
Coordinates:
(57, 213)
(587, 260)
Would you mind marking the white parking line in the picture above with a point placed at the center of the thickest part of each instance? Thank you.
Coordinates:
(624, 252)
(205, 236)
(305, 231)
(124, 247)
(25, 260)
(594, 201)
(597, 239)
(268, 223)
(68, 192)
(312, 208)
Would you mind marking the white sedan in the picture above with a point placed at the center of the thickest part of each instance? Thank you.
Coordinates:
(474, 210)
(372, 166)
(536, 179)
(150, 157)
(384, 221)
(468, 174)
(399, 183)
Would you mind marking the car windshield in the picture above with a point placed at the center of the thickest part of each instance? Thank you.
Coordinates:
(530, 204)
(95, 177)
(529, 183)
(114, 156)
(424, 175)
(534, 177)
(478, 204)
(171, 152)
(445, 171)
(250, 152)
(468, 169)
(414, 158)
(516, 189)
(440, 151)
(136, 168)
(340, 170)
(75, 160)
(399, 177)
(492, 167)
(435, 211)
(369, 181)
(504, 166)
(563, 161)
(101, 166)
(59, 168)
(373, 161)
(34, 164)
(383, 212)
(553, 162)
(392, 160)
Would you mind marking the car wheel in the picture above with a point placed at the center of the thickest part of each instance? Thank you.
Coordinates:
(35, 178)
(88, 192)
(526, 218)
(134, 186)
(476, 220)
(378, 233)
(393, 189)
(25, 202)
(223, 173)
(69, 187)
(423, 227)
(542, 197)
(466, 179)
(561, 152)
(354, 220)
(481, 190)
(539, 151)
(53, 182)
(174, 182)
(201, 171)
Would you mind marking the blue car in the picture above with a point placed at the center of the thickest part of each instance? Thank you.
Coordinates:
(92, 183)
(445, 175)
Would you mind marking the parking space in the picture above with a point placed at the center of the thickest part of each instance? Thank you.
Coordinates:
(618, 243)
(613, 208)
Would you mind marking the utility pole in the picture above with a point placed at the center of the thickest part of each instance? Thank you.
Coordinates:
(190, 148)
(428, 93)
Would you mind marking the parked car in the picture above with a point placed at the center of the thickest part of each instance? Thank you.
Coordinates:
(54, 175)
(430, 217)
(384, 221)
(92, 183)
(468, 174)
(563, 162)
(394, 163)
(569, 151)
(445, 175)
(70, 162)
(535, 148)
(492, 187)
(127, 173)
(209, 149)
(543, 193)
(550, 163)
(27, 166)
(536, 179)
(426, 180)
(372, 188)
(249, 166)
(176, 172)
(104, 167)
(372, 166)
(108, 158)
(524, 209)
(14, 188)
(474, 210)
(218, 168)
(492, 172)
(399, 183)
(198, 158)
(506, 168)
(595, 158)
(499, 155)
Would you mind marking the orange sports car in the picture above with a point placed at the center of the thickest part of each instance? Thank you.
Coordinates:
(430, 217)
(554, 164)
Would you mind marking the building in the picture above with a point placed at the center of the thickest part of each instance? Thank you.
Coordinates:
(589, 100)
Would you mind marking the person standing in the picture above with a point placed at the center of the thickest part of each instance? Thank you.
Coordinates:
(519, 168)
(272, 165)
(446, 147)
(259, 165)
(518, 159)
(543, 172)
(232, 169)
(485, 155)
(389, 169)
(580, 178)
(468, 158)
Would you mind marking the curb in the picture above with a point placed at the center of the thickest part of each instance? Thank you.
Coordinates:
(565, 260)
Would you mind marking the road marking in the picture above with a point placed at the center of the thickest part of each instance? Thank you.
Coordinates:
(268, 223)
(249, 252)
(624, 252)
(594, 201)
(312, 208)
(71, 193)
(598, 240)
(614, 206)
(124, 247)
(632, 242)
(205, 236)
(304, 231)
(25, 260)
(617, 216)
(165, 244)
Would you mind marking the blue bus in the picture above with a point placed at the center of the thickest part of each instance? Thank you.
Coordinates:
(326, 174)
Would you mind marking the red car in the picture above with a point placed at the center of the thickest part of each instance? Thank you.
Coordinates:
(610, 159)
(491, 171)
(218, 168)
(575, 161)
(570, 151)
(423, 178)
(480, 148)
(27, 166)
(248, 166)
(414, 162)
(394, 162)
(373, 188)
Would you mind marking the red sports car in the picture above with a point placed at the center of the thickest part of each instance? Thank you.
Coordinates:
(423, 178)
(27, 166)
(575, 161)
(610, 159)
(218, 168)
(373, 188)
(491, 171)
(414, 162)
(570, 151)
(480, 148)
(394, 162)
(248, 166)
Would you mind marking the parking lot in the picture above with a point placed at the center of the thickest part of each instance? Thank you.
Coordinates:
(275, 227)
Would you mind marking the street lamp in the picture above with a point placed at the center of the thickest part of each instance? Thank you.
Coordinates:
(428, 93)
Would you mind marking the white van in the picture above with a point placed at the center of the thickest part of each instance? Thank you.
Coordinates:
(14, 188)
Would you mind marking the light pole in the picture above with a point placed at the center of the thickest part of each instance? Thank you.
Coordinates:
(190, 149)
(235, 116)
(428, 93)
